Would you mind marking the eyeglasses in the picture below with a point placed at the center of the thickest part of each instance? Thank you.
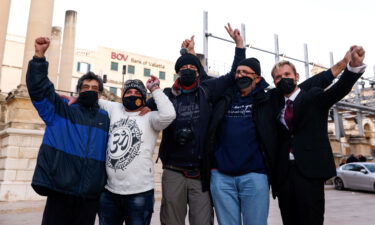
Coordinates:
(245, 72)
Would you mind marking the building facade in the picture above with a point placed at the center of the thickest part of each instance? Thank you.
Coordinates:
(115, 65)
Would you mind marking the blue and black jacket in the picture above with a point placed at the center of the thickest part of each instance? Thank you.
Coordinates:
(71, 159)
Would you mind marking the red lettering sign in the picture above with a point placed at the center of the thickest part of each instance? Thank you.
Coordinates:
(113, 55)
(119, 56)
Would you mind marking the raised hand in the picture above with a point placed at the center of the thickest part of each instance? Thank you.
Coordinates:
(347, 57)
(41, 46)
(341, 65)
(235, 35)
(357, 54)
(153, 83)
(189, 44)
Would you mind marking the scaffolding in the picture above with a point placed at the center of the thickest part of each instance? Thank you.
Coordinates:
(355, 103)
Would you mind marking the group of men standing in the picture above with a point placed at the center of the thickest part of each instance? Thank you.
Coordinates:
(225, 141)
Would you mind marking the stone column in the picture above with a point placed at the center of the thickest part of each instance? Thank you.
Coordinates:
(4, 17)
(53, 54)
(67, 52)
(39, 25)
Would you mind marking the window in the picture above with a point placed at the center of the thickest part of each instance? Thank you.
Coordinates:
(370, 167)
(353, 167)
(131, 69)
(114, 66)
(175, 76)
(161, 75)
(83, 67)
(348, 167)
(146, 72)
(113, 90)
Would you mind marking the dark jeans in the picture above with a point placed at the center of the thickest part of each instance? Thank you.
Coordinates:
(67, 209)
(135, 209)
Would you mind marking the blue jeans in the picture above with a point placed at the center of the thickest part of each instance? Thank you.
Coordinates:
(135, 209)
(245, 196)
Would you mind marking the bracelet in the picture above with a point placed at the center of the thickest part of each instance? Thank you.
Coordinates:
(153, 86)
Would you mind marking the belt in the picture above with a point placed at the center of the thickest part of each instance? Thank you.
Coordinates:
(181, 168)
(193, 173)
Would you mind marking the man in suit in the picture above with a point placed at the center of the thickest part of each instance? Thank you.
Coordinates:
(305, 159)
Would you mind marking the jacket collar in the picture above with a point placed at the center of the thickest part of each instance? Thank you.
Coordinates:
(258, 93)
(178, 90)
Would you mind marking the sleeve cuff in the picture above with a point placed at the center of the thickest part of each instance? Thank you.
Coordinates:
(240, 50)
(329, 75)
(155, 92)
(359, 69)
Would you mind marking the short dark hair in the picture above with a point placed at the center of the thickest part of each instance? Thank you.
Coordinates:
(90, 76)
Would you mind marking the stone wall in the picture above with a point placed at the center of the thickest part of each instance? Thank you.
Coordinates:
(20, 137)
(18, 153)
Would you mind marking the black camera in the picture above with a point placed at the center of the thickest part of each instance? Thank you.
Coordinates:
(184, 136)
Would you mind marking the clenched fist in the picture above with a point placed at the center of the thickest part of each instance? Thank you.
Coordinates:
(153, 83)
(357, 54)
(41, 46)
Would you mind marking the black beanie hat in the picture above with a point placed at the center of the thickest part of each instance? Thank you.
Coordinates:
(185, 60)
(136, 84)
(253, 63)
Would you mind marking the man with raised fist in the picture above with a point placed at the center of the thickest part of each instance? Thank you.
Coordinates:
(304, 161)
(70, 168)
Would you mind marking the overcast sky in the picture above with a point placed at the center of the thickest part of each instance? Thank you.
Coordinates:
(156, 28)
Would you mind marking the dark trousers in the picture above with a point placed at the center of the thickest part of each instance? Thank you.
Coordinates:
(70, 210)
(301, 200)
(135, 209)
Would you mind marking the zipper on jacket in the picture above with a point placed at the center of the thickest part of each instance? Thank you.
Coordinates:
(84, 166)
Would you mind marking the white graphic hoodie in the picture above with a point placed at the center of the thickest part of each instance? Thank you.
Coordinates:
(131, 143)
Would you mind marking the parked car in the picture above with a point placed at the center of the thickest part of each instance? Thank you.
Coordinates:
(356, 175)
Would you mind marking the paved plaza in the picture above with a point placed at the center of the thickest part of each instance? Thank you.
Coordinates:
(342, 208)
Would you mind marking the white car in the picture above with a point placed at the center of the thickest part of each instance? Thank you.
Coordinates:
(356, 175)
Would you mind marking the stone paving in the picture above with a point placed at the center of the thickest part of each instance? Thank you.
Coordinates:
(342, 208)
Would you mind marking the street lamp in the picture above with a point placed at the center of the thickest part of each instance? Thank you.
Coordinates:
(123, 75)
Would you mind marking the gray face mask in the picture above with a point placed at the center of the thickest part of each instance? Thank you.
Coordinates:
(286, 85)
(244, 82)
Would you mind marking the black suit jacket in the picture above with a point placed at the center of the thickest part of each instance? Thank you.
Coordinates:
(309, 138)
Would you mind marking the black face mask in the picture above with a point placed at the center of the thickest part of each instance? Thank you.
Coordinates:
(187, 77)
(132, 102)
(88, 98)
(286, 85)
(244, 82)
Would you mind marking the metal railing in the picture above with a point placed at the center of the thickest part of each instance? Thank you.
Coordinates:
(344, 105)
